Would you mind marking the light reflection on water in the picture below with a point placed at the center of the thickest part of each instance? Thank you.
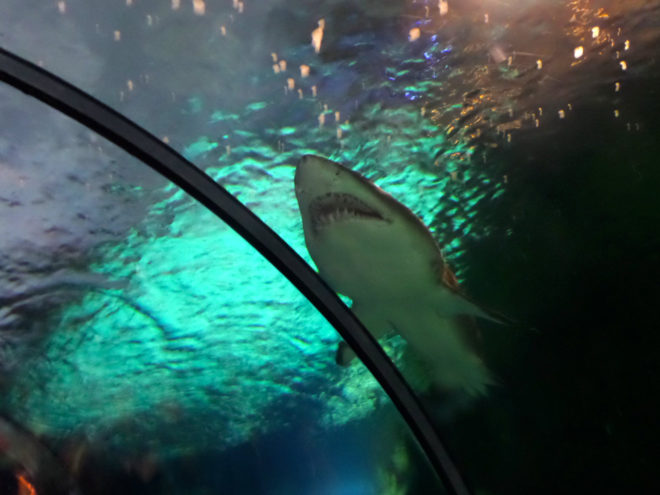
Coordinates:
(243, 90)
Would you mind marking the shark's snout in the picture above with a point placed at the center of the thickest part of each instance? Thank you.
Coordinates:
(329, 194)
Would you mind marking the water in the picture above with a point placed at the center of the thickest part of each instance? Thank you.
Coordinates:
(135, 323)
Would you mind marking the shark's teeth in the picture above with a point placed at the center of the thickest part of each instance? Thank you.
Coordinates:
(334, 207)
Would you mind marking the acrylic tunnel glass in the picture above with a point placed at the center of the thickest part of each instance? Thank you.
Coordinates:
(149, 347)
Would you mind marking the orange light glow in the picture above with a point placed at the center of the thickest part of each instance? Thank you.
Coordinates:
(414, 34)
(199, 7)
(24, 486)
(317, 36)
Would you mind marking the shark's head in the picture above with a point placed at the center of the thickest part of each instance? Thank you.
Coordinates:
(356, 231)
(328, 193)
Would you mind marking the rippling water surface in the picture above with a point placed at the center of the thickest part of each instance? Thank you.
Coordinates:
(524, 134)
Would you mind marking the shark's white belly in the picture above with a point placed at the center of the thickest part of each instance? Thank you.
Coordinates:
(368, 260)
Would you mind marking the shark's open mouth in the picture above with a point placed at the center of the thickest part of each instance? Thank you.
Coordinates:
(334, 207)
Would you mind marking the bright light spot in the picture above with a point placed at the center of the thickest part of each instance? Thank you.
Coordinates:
(300, 94)
(223, 30)
(537, 122)
(617, 87)
(540, 111)
(339, 133)
(595, 31)
(616, 114)
(337, 116)
(117, 35)
(414, 34)
(497, 53)
(321, 119)
(317, 36)
(290, 83)
(276, 68)
(539, 64)
(443, 7)
(578, 51)
(570, 107)
(166, 139)
(176, 4)
(241, 7)
(626, 45)
(561, 114)
(129, 2)
(304, 71)
(24, 486)
(199, 7)
(486, 19)
(624, 65)
(130, 85)
(283, 65)
(61, 6)
(228, 149)
(150, 20)
(314, 91)
(274, 56)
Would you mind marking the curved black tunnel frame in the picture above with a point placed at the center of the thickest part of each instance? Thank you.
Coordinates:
(97, 116)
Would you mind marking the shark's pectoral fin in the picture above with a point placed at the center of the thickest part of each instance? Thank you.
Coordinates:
(371, 318)
(344, 354)
(459, 304)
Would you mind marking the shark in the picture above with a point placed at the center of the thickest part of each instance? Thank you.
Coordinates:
(374, 250)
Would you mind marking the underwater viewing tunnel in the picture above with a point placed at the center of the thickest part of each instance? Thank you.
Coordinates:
(329, 247)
